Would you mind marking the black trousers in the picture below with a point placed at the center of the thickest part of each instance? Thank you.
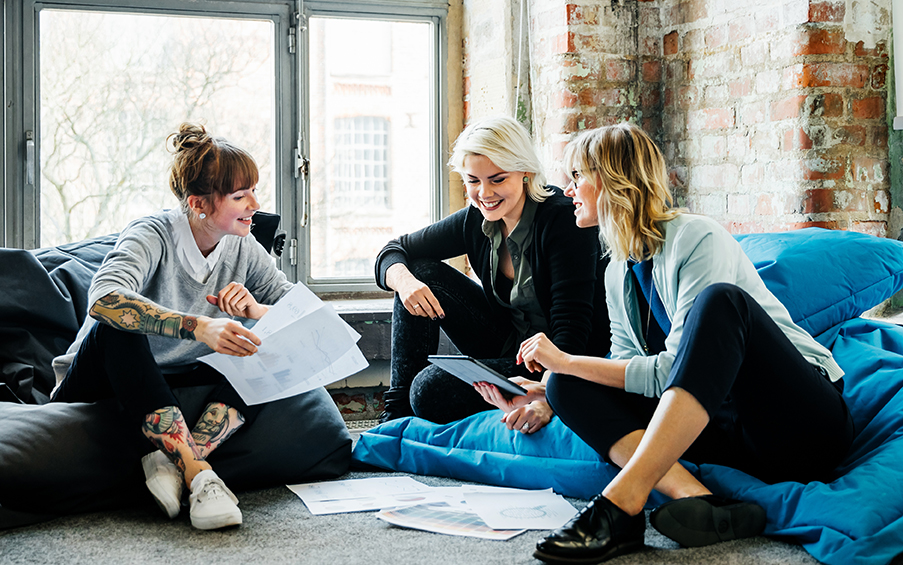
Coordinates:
(772, 413)
(111, 363)
(422, 389)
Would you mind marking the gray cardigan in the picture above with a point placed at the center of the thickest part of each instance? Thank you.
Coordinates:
(698, 252)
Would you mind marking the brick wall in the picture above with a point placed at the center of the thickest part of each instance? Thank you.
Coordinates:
(771, 114)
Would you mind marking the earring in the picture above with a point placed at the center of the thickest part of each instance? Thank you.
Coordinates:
(526, 178)
(202, 215)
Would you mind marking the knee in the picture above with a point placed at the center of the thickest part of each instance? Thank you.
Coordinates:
(427, 270)
(720, 295)
(560, 391)
(108, 336)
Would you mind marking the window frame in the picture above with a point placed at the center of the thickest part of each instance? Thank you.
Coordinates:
(20, 213)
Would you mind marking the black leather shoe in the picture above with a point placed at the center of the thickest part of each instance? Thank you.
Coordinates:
(599, 532)
(396, 404)
(704, 520)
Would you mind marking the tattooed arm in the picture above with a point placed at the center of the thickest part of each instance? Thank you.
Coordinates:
(131, 312)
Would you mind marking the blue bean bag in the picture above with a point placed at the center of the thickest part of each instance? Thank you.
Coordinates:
(826, 279)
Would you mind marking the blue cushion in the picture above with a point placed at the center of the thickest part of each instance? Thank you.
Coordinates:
(825, 277)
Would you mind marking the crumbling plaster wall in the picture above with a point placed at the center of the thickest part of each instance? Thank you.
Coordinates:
(772, 115)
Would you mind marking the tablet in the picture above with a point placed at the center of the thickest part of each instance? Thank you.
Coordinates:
(472, 371)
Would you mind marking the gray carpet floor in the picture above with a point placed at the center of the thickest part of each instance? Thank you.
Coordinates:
(278, 529)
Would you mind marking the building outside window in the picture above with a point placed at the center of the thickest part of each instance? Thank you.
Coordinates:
(339, 105)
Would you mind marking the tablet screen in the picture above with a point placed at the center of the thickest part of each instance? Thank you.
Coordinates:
(472, 371)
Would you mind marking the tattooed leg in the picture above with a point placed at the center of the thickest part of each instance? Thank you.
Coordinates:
(216, 425)
(166, 428)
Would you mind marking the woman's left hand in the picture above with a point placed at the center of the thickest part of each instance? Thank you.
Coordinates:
(527, 413)
(538, 352)
(236, 300)
(530, 418)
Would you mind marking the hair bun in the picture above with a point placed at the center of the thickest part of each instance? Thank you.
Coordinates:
(190, 136)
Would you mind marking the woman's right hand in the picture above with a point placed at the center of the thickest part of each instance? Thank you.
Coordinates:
(416, 296)
(226, 336)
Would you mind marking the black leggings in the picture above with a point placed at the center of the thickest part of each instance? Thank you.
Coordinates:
(772, 413)
(422, 389)
(111, 363)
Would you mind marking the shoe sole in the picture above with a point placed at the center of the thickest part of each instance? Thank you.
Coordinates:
(163, 497)
(216, 522)
(623, 549)
(700, 523)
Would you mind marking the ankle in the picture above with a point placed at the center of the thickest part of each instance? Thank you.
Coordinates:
(191, 471)
(630, 505)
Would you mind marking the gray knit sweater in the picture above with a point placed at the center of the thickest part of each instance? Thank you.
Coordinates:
(144, 261)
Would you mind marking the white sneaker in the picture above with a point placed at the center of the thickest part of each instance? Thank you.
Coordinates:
(164, 481)
(213, 505)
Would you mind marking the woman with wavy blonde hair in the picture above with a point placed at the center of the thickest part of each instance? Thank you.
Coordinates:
(706, 365)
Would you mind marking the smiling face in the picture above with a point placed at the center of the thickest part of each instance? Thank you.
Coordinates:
(585, 198)
(499, 195)
(232, 215)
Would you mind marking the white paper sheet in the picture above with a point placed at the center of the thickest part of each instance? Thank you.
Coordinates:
(304, 345)
(442, 518)
(528, 510)
(358, 495)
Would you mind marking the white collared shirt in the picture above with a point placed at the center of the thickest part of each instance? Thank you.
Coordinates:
(190, 256)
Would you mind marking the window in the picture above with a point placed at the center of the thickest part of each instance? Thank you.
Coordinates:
(339, 103)
(361, 163)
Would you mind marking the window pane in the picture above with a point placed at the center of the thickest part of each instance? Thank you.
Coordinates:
(113, 86)
(370, 139)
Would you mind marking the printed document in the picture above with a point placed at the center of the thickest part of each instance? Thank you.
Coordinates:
(304, 345)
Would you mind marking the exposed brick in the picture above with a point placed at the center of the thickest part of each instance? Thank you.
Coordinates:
(687, 96)
(466, 85)
(652, 71)
(879, 50)
(818, 201)
(788, 108)
(693, 40)
(820, 168)
(833, 105)
(618, 70)
(650, 97)
(866, 169)
(716, 36)
(675, 71)
(670, 43)
(877, 137)
(768, 81)
(879, 77)
(710, 118)
(882, 201)
(574, 14)
(564, 43)
(821, 42)
(796, 139)
(601, 97)
(878, 229)
(827, 12)
(828, 225)
(850, 135)
(691, 10)
(826, 74)
(565, 99)
(871, 108)
(650, 46)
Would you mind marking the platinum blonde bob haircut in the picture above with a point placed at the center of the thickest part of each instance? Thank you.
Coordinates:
(508, 145)
(628, 172)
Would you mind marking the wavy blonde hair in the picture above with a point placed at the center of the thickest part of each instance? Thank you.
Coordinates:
(627, 170)
(506, 143)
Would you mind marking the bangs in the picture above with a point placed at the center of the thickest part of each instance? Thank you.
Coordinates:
(237, 169)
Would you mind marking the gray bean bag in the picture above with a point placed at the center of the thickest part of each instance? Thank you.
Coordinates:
(61, 458)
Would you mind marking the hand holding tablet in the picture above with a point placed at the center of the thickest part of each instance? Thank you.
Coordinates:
(472, 371)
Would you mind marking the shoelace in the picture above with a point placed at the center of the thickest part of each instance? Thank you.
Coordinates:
(212, 490)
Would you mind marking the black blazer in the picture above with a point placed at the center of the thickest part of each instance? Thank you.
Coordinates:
(566, 261)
